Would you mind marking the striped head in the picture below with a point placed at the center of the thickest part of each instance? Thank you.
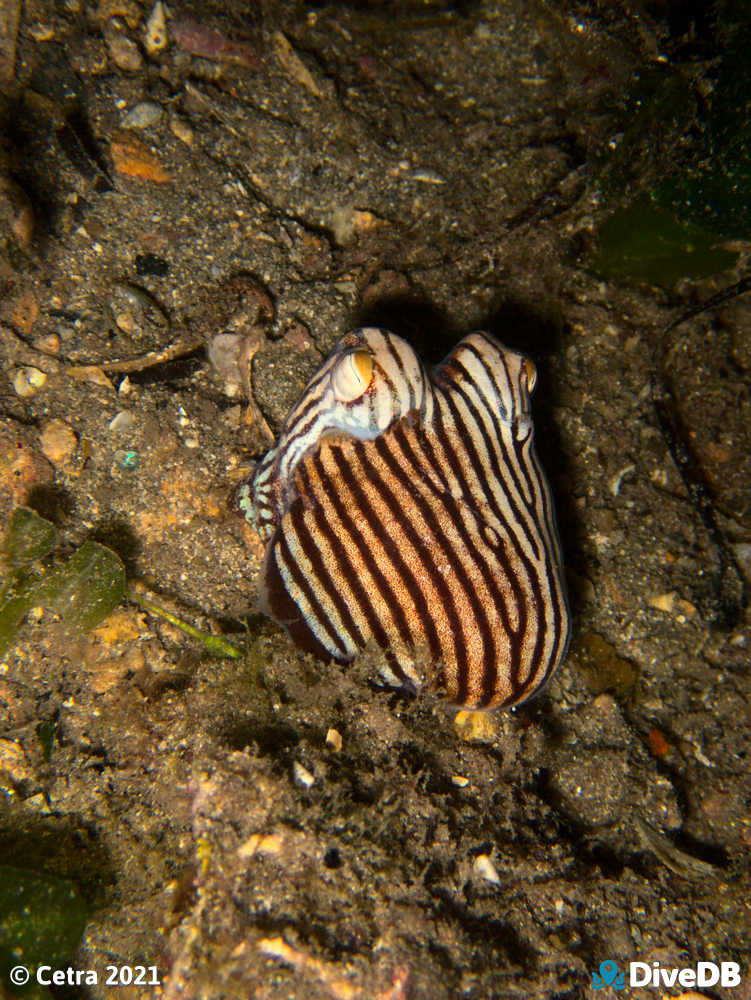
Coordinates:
(369, 380)
(406, 510)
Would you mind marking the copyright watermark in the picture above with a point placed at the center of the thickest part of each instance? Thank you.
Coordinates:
(114, 975)
(655, 975)
(19, 975)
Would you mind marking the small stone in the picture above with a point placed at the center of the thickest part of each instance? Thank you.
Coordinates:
(123, 51)
(658, 745)
(484, 868)
(122, 422)
(128, 10)
(28, 381)
(22, 311)
(302, 775)
(42, 31)
(48, 343)
(334, 740)
(16, 212)
(155, 38)
(459, 780)
(130, 156)
(476, 727)
(293, 65)
(143, 115)
(183, 132)
(23, 469)
(201, 39)
(125, 322)
(663, 602)
(14, 767)
(58, 442)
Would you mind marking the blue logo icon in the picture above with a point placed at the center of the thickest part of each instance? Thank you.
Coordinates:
(610, 975)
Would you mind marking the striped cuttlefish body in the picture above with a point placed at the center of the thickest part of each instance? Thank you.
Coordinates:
(406, 508)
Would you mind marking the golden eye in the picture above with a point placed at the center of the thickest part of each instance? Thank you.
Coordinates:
(352, 375)
(531, 372)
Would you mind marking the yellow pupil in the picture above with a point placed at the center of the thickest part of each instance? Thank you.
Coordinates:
(362, 362)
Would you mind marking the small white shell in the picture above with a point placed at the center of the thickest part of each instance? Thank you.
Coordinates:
(352, 376)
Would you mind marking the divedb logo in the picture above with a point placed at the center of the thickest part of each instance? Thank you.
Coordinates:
(654, 974)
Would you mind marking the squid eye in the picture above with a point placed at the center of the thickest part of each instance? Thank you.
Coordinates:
(531, 372)
(352, 375)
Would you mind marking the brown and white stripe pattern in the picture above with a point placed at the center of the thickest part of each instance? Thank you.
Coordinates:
(416, 517)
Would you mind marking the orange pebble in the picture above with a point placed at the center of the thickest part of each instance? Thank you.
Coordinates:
(130, 156)
(658, 745)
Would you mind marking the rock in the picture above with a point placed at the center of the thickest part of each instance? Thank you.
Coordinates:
(14, 766)
(28, 381)
(484, 868)
(132, 157)
(591, 789)
(143, 115)
(155, 36)
(58, 442)
(16, 212)
(183, 131)
(122, 50)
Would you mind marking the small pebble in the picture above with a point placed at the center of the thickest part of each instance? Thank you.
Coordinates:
(476, 727)
(155, 38)
(14, 764)
(58, 442)
(122, 422)
(42, 31)
(128, 10)
(130, 156)
(663, 602)
(28, 381)
(143, 115)
(334, 740)
(428, 177)
(302, 775)
(658, 745)
(123, 51)
(49, 343)
(16, 212)
(183, 132)
(136, 313)
(484, 868)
